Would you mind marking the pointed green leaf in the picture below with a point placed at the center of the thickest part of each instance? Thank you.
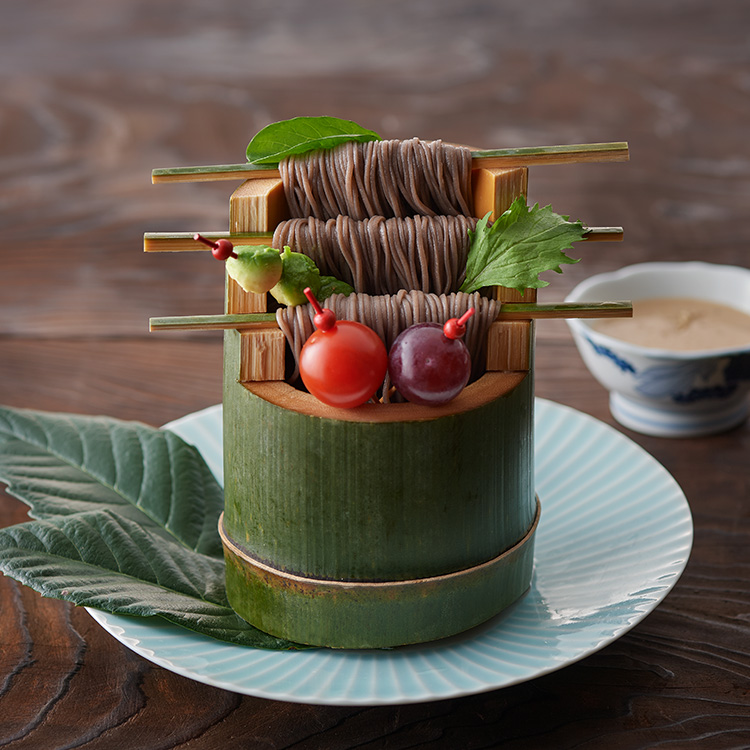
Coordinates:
(301, 135)
(100, 560)
(62, 463)
(521, 244)
(128, 521)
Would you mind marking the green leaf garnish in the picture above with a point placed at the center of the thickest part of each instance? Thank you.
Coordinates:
(331, 285)
(518, 246)
(301, 135)
(126, 521)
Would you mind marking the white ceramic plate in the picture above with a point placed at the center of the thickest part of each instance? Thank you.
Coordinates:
(614, 537)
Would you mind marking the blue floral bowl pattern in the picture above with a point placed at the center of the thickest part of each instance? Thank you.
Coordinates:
(658, 391)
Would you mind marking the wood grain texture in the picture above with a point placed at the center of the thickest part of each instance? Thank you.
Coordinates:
(95, 95)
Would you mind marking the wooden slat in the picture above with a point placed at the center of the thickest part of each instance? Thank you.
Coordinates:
(239, 302)
(262, 355)
(493, 190)
(509, 346)
(177, 242)
(257, 205)
(506, 294)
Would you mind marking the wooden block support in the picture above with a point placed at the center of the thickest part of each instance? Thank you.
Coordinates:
(259, 205)
(261, 355)
(509, 346)
(256, 206)
(238, 301)
(506, 294)
(494, 190)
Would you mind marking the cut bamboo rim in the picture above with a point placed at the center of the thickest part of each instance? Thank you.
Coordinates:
(508, 311)
(490, 386)
(505, 157)
(176, 242)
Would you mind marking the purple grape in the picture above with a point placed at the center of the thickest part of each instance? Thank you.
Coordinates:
(426, 366)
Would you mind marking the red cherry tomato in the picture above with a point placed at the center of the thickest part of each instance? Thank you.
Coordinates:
(344, 365)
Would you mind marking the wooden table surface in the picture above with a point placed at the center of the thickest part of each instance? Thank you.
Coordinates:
(96, 94)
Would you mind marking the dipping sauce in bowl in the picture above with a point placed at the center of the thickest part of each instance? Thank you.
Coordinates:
(680, 367)
(680, 324)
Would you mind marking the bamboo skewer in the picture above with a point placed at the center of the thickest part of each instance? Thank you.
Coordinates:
(214, 173)
(167, 242)
(171, 242)
(252, 321)
(573, 154)
(509, 311)
(603, 234)
(533, 311)
(505, 157)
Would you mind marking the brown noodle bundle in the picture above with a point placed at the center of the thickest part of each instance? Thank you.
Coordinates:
(391, 218)
(380, 178)
(381, 256)
(388, 315)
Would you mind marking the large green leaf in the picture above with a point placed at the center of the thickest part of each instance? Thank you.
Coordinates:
(127, 521)
(301, 135)
(63, 463)
(100, 560)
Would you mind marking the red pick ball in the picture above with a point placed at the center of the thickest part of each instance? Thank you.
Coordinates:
(344, 362)
(221, 249)
(455, 328)
(324, 319)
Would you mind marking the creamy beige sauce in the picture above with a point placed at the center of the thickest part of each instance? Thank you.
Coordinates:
(680, 324)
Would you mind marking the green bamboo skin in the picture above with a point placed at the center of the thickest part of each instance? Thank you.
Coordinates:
(329, 499)
(342, 500)
(376, 615)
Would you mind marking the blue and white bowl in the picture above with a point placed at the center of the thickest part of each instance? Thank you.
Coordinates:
(658, 391)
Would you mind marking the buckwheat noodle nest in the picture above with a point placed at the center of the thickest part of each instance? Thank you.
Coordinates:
(380, 178)
(381, 256)
(392, 219)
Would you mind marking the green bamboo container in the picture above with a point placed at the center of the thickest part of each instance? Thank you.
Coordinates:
(353, 530)
(344, 531)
